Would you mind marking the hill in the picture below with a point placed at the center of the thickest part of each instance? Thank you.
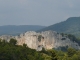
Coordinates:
(70, 26)
(13, 29)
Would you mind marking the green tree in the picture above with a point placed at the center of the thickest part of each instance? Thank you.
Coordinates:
(53, 55)
(71, 52)
(13, 41)
(24, 45)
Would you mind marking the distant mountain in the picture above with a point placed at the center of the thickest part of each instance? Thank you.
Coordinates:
(15, 30)
(70, 26)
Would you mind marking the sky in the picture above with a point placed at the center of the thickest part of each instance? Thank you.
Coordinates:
(37, 12)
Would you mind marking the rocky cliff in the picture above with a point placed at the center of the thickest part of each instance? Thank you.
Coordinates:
(46, 39)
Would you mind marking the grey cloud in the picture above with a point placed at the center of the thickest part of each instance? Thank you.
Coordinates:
(37, 12)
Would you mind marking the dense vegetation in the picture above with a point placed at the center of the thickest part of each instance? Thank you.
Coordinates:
(11, 51)
(71, 26)
(71, 37)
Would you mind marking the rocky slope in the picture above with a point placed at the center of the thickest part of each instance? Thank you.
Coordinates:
(46, 39)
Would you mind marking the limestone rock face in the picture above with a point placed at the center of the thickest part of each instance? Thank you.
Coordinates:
(46, 39)
(6, 37)
(35, 40)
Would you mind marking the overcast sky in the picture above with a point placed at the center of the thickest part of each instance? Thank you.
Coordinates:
(37, 12)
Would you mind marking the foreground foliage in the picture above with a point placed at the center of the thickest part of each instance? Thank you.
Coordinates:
(11, 51)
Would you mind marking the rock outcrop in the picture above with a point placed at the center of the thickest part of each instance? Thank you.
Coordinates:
(46, 39)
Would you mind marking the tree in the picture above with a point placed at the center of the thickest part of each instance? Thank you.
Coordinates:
(71, 52)
(13, 41)
(24, 45)
(53, 55)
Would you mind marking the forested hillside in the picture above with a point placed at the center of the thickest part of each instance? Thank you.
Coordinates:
(11, 51)
(70, 26)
